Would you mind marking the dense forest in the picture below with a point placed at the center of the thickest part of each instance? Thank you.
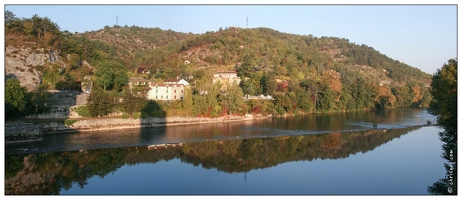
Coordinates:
(303, 73)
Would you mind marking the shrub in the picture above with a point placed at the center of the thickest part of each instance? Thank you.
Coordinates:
(83, 111)
(69, 122)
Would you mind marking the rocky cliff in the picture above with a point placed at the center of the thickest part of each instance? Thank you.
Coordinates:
(22, 63)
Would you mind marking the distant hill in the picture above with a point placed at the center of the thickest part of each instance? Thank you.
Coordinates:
(266, 48)
(304, 73)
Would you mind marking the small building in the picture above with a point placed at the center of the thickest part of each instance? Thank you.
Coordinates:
(142, 70)
(166, 91)
(172, 89)
(138, 81)
(226, 78)
(138, 85)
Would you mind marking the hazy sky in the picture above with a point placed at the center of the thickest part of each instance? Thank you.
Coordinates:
(422, 36)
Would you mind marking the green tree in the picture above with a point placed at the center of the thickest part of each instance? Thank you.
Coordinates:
(40, 101)
(187, 101)
(16, 99)
(133, 103)
(232, 100)
(444, 105)
(444, 93)
(10, 17)
(73, 61)
(111, 75)
(248, 87)
(100, 102)
(199, 74)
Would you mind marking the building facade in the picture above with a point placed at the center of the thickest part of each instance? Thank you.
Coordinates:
(226, 78)
(166, 91)
(173, 89)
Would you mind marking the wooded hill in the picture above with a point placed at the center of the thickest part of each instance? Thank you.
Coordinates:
(303, 73)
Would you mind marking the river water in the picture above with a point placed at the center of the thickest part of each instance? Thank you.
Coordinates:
(369, 152)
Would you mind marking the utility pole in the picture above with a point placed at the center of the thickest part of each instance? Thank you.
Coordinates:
(247, 21)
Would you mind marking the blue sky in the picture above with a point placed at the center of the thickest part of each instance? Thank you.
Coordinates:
(422, 36)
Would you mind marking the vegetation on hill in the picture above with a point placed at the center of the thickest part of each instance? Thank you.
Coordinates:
(304, 74)
(444, 105)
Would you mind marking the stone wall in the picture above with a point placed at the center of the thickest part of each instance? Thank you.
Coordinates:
(118, 123)
(81, 99)
(22, 132)
(66, 103)
(61, 112)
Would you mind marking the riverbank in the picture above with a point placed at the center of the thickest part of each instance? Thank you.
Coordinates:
(117, 123)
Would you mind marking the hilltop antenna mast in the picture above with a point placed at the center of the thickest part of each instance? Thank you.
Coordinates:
(117, 20)
(247, 21)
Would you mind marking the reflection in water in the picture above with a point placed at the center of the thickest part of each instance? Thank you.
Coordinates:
(48, 173)
(448, 184)
(300, 125)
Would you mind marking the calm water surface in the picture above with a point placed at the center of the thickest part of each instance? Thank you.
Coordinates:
(349, 153)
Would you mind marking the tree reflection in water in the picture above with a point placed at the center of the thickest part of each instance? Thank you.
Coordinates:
(448, 184)
(48, 173)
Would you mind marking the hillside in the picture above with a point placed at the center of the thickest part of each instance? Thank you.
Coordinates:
(302, 72)
(265, 48)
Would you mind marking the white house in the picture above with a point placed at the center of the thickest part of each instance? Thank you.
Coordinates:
(170, 90)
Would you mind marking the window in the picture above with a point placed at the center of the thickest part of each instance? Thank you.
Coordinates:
(156, 97)
(174, 91)
(162, 97)
(174, 97)
(166, 97)
(181, 91)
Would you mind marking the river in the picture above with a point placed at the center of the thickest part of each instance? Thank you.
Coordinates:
(367, 152)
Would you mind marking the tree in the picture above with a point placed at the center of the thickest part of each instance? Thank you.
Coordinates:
(247, 67)
(444, 104)
(187, 101)
(232, 100)
(111, 75)
(73, 61)
(444, 93)
(385, 97)
(40, 101)
(9, 18)
(133, 103)
(12, 23)
(199, 74)
(248, 87)
(100, 103)
(15, 99)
